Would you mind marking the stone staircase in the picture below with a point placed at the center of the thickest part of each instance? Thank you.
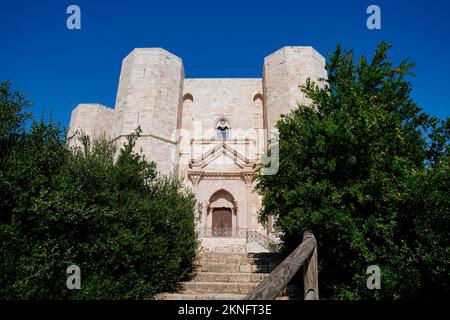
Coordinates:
(225, 276)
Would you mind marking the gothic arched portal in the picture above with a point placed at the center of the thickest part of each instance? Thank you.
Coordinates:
(222, 212)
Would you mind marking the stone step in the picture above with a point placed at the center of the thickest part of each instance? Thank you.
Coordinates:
(203, 296)
(195, 287)
(239, 261)
(234, 268)
(287, 298)
(234, 255)
(211, 296)
(226, 276)
(229, 277)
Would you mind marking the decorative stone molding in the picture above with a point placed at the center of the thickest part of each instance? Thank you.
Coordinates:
(247, 177)
(221, 148)
(195, 177)
(175, 142)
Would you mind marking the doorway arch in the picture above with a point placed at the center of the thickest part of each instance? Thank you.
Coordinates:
(222, 214)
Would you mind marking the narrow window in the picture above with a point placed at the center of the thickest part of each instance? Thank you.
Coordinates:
(222, 129)
(222, 133)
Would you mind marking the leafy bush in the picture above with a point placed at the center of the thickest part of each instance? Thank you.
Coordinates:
(368, 172)
(131, 231)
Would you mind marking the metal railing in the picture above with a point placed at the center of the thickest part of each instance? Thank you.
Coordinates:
(260, 239)
(250, 236)
(304, 255)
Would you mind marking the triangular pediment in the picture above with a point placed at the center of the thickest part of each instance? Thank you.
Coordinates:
(221, 156)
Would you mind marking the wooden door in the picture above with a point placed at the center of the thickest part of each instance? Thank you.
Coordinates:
(221, 222)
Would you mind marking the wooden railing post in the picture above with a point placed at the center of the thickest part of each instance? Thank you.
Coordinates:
(310, 274)
(304, 255)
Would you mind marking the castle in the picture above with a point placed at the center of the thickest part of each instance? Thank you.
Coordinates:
(210, 132)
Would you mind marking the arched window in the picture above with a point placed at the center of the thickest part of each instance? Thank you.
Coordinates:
(222, 129)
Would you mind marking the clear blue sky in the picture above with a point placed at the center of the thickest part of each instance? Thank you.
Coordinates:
(58, 68)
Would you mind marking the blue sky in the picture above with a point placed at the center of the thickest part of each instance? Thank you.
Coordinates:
(58, 68)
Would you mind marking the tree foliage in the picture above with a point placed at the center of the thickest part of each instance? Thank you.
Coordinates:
(368, 172)
(130, 230)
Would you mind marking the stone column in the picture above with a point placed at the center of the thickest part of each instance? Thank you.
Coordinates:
(247, 177)
(195, 178)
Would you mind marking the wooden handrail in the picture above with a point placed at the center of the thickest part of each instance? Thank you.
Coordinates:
(304, 255)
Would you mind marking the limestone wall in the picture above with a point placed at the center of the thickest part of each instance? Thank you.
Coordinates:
(212, 99)
(154, 95)
(284, 71)
(93, 120)
(149, 96)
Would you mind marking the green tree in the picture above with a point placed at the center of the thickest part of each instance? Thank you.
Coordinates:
(13, 116)
(130, 230)
(368, 172)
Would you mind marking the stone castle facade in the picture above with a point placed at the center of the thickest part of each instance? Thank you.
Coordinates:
(210, 132)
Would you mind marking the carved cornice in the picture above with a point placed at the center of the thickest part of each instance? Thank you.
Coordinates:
(196, 176)
(147, 136)
(219, 140)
